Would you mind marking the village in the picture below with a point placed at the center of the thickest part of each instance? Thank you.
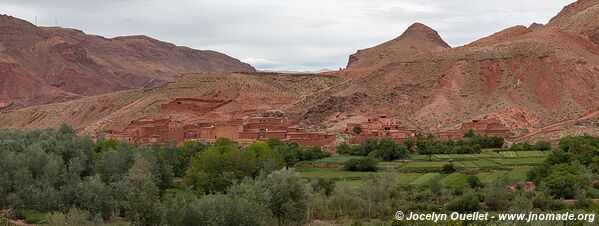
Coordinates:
(244, 131)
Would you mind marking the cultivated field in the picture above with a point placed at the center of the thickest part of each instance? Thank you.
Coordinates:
(419, 170)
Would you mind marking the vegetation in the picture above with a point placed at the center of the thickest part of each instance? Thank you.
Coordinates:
(364, 165)
(386, 149)
(58, 178)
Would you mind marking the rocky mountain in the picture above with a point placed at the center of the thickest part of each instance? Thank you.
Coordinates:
(526, 77)
(417, 39)
(40, 65)
(538, 80)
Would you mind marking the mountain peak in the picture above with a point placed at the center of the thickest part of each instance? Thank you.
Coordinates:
(423, 32)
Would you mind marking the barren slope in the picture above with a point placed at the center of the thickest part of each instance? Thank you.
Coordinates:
(252, 94)
(45, 65)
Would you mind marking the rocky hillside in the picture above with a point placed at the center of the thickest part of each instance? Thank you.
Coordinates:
(538, 80)
(526, 77)
(41, 65)
(417, 39)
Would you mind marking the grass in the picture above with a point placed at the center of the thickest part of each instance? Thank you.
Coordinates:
(486, 164)
(337, 159)
(425, 165)
(528, 154)
(469, 164)
(424, 179)
(518, 174)
(520, 161)
(455, 180)
(487, 177)
(327, 173)
(407, 178)
(391, 165)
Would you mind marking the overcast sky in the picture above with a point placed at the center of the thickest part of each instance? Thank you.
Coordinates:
(285, 34)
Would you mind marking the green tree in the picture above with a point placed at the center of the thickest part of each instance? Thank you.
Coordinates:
(288, 197)
(367, 164)
(474, 182)
(357, 129)
(497, 195)
(344, 149)
(469, 133)
(389, 150)
(143, 204)
(563, 181)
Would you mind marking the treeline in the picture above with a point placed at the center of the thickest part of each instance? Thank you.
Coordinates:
(471, 145)
(540, 145)
(387, 149)
(57, 177)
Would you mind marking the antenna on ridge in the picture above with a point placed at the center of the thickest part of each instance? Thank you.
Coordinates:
(35, 20)
(55, 22)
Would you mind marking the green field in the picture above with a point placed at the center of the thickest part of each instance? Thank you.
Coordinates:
(520, 161)
(487, 166)
(336, 159)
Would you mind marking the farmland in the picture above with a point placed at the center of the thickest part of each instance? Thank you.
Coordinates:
(419, 170)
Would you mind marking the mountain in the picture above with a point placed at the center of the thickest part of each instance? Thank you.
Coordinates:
(41, 65)
(541, 81)
(417, 39)
(526, 77)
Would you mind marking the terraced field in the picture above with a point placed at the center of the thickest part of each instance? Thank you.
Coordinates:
(419, 170)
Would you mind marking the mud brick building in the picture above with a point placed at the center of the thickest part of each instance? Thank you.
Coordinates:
(380, 127)
(153, 131)
(488, 127)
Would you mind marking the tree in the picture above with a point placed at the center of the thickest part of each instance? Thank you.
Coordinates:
(436, 187)
(563, 181)
(344, 149)
(389, 150)
(267, 160)
(468, 202)
(143, 204)
(497, 194)
(367, 164)
(288, 197)
(474, 182)
(65, 129)
(357, 129)
(522, 202)
(469, 133)
(448, 169)
(213, 171)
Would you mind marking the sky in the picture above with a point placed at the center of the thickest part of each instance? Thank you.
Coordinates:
(294, 35)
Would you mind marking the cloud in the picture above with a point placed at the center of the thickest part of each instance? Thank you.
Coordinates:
(285, 35)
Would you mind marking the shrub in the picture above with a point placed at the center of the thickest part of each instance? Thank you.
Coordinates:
(448, 168)
(344, 149)
(474, 182)
(357, 129)
(368, 164)
(469, 202)
(542, 145)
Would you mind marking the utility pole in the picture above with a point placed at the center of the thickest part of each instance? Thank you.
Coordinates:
(35, 20)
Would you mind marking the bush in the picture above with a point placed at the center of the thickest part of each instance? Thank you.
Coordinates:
(448, 169)
(368, 164)
(474, 182)
(469, 202)
(344, 149)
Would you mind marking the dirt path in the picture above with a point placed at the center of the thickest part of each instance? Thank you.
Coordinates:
(559, 125)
